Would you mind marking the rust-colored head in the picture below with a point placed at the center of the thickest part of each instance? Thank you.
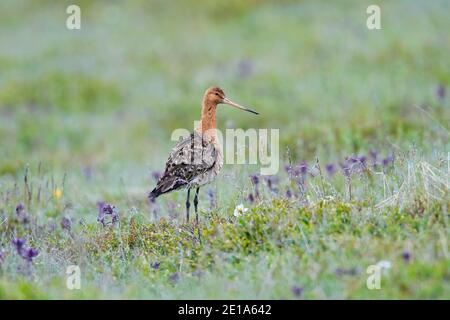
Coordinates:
(215, 95)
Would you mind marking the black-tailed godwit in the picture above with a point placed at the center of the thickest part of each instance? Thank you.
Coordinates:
(197, 159)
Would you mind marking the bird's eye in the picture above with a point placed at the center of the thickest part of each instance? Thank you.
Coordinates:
(216, 94)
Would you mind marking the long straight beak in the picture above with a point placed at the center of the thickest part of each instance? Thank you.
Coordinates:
(234, 104)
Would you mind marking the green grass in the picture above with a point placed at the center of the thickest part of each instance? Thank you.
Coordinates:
(90, 113)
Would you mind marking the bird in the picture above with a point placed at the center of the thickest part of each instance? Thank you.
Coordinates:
(197, 159)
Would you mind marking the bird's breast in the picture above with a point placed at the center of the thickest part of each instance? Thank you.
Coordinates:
(209, 175)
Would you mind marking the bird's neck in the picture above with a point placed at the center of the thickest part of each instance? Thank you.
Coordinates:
(207, 123)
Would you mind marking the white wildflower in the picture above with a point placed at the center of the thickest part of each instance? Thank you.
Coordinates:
(240, 210)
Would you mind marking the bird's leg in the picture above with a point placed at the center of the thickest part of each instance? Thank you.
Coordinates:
(196, 204)
(188, 205)
(196, 214)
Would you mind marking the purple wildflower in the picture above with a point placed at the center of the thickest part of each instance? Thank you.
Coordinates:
(356, 163)
(302, 169)
(19, 209)
(346, 168)
(440, 92)
(406, 256)
(255, 179)
(288, 168)
(251, 197)
(288, 193)
(66, 223)
(388, 160)
(155, 265)
(297, 291)
(29, 254)
(21, 214)
(353, 159)
(331, 169)
(105, 210)
(271, 181)
(362, 159)
(26, 253)
(108, 209)
(174, 277)
(18, 244)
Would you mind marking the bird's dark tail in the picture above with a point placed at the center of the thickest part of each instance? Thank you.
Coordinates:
(165, 185)
(153, 195)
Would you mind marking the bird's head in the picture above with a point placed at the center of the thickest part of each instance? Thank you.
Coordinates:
(216, 96)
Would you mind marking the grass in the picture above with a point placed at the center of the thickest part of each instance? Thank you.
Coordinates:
(86, 116)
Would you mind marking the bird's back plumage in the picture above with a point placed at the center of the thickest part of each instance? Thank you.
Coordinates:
(187, 165)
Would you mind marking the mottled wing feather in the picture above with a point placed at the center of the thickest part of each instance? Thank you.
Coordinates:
(189, 159)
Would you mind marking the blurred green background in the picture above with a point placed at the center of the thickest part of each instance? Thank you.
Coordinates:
(114, 90)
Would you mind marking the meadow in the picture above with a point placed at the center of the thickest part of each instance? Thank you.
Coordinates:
(85, 123)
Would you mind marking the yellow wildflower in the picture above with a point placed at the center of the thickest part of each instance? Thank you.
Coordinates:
(57, 193)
